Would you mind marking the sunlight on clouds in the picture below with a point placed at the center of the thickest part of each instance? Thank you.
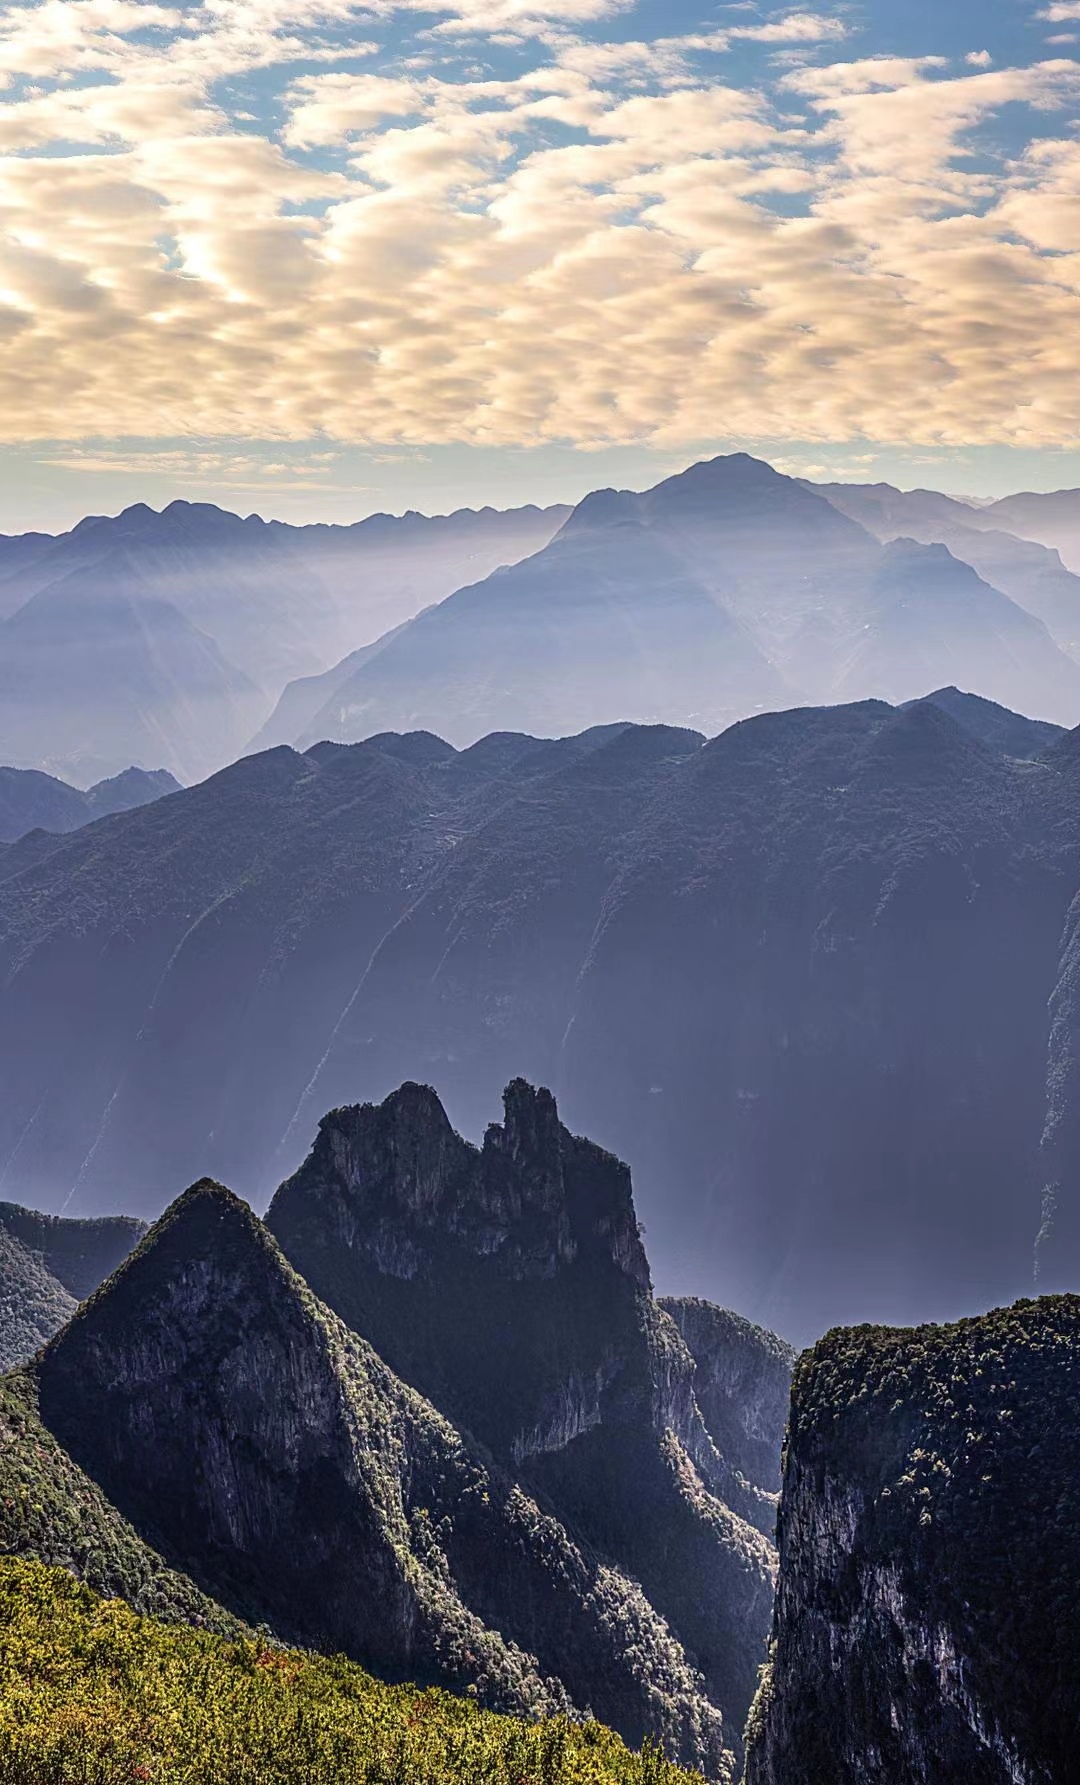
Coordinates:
(611, 244)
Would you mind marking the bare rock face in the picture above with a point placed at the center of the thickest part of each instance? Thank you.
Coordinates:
(928, 1613)
(508, 1283)
(266, 1451)
(742, 1384)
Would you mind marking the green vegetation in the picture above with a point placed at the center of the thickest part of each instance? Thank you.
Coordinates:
(52, 1511)
(93, 1694)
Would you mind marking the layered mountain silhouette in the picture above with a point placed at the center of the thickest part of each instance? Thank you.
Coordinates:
(799, 976)
(727, 590)
(1032, 574)
(927, 1616)
(30, 800)
(211, 1441)
(47, 1266)
(166, 638)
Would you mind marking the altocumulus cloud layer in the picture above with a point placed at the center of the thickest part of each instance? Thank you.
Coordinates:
(516, 221)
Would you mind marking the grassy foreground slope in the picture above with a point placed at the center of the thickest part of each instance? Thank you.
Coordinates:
(93, 1694)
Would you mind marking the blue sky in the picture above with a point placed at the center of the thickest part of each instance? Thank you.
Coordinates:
(316, 259)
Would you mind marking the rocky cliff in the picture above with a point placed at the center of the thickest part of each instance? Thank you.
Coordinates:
(268, 1454)
(508, 1283)
(928, 1612)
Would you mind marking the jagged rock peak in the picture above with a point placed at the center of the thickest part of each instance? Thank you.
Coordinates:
(533, 1198)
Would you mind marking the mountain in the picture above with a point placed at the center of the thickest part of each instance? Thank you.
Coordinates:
(1031, 574)
(30, 800)
(47, 1266)
(724, 591)
(509, 1284)
(33, 1304)
(930, 618)
(203, 1413)
(1008, 733)
(167, 637)
(1052, 517)
(96, 674)
(808, 978)
(180, 1704)
(927, 1616)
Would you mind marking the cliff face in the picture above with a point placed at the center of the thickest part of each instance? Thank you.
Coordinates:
(261, 1448)
(742, 1385)
(508, 1284)
(928, 1612)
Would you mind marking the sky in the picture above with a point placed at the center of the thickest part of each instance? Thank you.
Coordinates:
(314, 259)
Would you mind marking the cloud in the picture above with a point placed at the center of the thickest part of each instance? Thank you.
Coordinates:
(613, 243)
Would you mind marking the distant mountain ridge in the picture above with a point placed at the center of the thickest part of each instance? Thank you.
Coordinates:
(30, 800)
(814, 954)
(728, 589)
(147, 637)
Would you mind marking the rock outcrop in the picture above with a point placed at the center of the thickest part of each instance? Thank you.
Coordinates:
(928, 1612)
(267, 1453)
(508, 1283)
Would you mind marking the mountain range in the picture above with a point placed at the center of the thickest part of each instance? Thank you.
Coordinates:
(165, 638)
(30, 800)
(799, 976)
(47, 1266)
(726, 590)
(209, 1441)
(185, 637)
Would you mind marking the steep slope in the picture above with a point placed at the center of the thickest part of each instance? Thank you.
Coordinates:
(927, 1619)
(931, 620)
(82, 1680)
(33, 1303)
(30, 800)
(1031, 574)
(247, 1434)
(742, 1385)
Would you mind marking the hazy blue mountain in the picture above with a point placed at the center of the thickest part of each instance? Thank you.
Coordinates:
(180, 628)
(929, 617)
(95, 675)
(724, 591)
(31, 800)
(1033, 575)
(1052, 517)
(799, 977)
